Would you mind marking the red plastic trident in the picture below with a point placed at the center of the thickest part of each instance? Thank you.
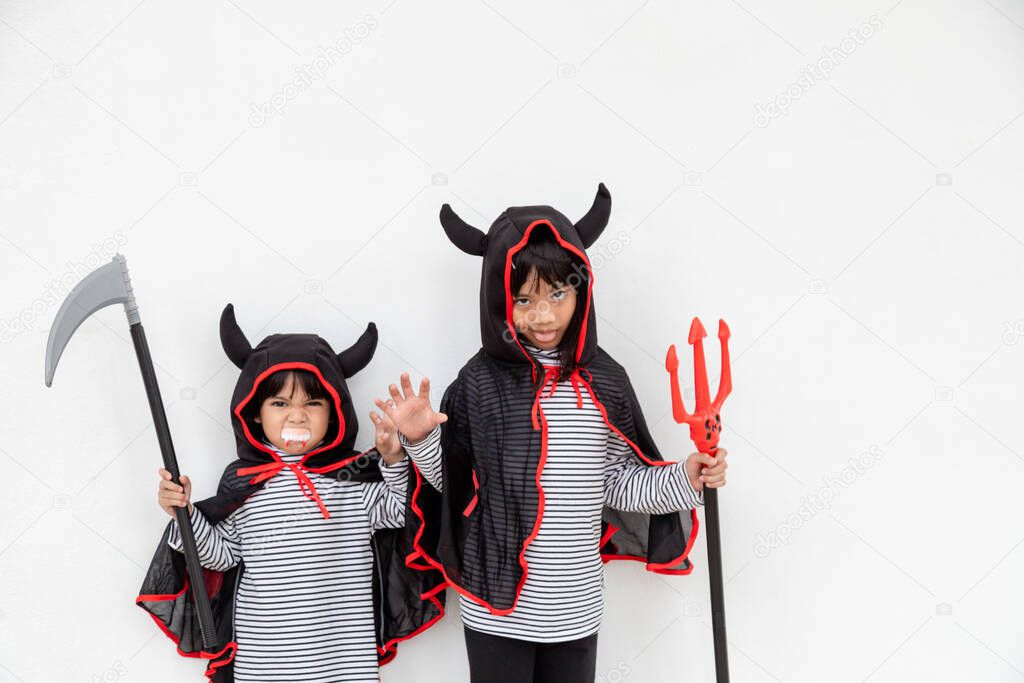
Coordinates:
(705, 427)
(706, 420)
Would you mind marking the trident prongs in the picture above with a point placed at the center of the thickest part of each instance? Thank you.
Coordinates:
(702, 394)
(725, 379)
(678, 407)
(705, 421)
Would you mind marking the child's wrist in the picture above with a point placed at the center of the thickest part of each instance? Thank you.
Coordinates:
(422, 437)
(407, 440)
(393, 458)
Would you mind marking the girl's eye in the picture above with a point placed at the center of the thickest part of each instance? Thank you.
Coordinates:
(558, 295)
(277, 404)
(317, 402)
(522, 302)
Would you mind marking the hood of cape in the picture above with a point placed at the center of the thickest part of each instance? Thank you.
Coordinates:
(508, 235)
(307, 352)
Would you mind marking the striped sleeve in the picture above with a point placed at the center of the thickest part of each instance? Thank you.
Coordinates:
(631, 486)
(219, 546)
(427, 456)
(385, 501)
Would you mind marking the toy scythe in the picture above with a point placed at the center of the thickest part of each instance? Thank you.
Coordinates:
(103, 287)
(705, 427)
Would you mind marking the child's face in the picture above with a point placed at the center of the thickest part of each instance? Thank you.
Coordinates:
(292, 421)
(542, 312)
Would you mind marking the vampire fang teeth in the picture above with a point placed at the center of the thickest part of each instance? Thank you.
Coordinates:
(295, 436)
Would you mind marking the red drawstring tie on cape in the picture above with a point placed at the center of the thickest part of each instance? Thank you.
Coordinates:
(551, 375)
(271, 469)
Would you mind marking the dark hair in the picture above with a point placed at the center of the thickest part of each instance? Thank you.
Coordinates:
(556, 266)
(305, 380)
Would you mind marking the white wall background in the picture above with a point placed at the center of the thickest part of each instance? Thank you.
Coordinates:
(866, 247)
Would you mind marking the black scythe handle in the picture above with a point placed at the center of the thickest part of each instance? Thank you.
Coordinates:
(714, 540)
(188, 538)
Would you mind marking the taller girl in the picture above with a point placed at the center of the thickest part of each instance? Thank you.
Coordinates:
(540, 465)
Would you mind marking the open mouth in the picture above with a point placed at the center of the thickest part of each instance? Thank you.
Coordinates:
(544, 336)
(292, 436)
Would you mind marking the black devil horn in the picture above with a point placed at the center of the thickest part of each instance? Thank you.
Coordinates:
(592, 225)
(463, 235)
(354, 358)
(232, 338)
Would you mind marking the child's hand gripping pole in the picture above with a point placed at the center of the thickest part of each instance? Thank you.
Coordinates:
(705, 427)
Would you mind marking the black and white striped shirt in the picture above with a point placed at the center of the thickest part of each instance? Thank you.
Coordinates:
(588, 467)
(304, 604)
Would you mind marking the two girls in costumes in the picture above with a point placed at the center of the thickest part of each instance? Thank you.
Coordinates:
(537, 470)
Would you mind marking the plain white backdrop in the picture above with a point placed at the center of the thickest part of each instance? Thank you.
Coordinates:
(839, 181)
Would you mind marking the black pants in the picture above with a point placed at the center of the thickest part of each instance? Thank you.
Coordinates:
(496, 659)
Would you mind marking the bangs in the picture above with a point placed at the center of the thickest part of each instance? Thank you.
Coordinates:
(553, 264)
(309, 383)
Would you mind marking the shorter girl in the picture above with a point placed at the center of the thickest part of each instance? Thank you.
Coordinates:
(298, 541)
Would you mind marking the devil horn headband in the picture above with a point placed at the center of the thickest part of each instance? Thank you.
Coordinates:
(473, 241)
(238, 349)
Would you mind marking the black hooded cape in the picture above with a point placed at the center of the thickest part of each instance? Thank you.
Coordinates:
(407, 600)
(495, 439)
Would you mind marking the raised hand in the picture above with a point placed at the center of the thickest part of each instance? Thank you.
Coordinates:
(410, 412)
(386, 441)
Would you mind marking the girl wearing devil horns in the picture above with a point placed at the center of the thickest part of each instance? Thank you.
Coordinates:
(300, 544)
(539, 466)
